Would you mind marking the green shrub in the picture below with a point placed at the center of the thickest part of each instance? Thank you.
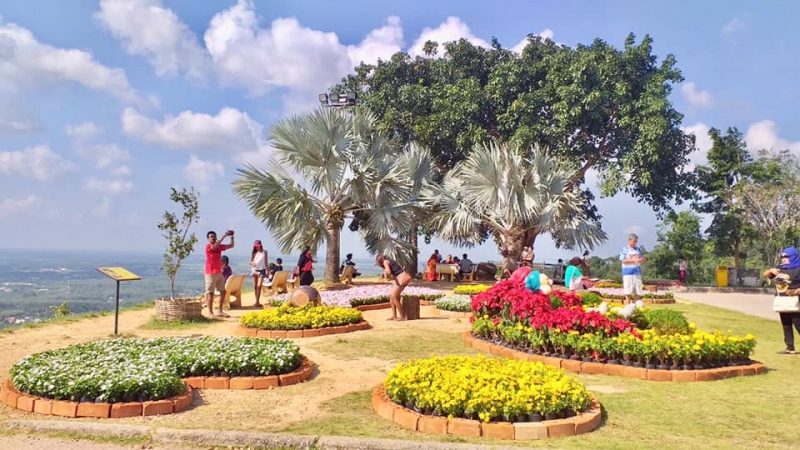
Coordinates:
(590, 298)
(667, 321)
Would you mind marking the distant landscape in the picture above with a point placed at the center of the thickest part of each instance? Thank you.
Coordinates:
(33, 280)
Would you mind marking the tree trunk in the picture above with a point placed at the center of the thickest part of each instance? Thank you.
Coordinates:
(332, 254)
(736, 257)
(413, 265)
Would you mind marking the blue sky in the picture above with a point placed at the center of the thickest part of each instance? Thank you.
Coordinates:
(107, 104)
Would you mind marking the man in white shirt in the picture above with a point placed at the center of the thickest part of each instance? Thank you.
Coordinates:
(632, 259)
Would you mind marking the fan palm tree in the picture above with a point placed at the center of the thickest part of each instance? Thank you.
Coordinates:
(513, 198)
(343, 167)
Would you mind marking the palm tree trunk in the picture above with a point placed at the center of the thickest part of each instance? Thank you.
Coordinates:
(413, 265)
(332, 254)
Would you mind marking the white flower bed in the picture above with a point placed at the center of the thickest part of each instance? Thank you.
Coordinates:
(122, 370)
(458, 303)
(365, 294)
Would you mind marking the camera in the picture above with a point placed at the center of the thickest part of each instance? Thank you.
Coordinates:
(229, 232)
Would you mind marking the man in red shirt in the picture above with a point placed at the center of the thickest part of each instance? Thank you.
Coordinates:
(213, 271)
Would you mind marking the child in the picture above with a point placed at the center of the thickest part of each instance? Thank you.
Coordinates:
(226, 269)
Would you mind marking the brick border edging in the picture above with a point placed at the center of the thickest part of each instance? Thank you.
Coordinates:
(373, 306)
(242, 330)
(596, 368)
(10, 396)
(455, 314)
(406, 418)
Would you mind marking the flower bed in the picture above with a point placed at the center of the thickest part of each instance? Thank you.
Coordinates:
(455, 303)
(471, 289)
(364, 295)
(486, 389)
(128, 370)
(619, 294)
(287, 317)
(558, 325)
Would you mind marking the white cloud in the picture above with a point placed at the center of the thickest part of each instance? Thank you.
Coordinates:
(733, 26)
(230, 130)
(107, 187)
(83, 131)
(202, 173)
(105, 155)
(286, 54)
(27, 63)
(703, 143)
(15, 125)
(545, 34)
(450, 30)
(39, 163)
(764, 135)
(120, 172)
(695, 97)
(149, 29)
(10, 208)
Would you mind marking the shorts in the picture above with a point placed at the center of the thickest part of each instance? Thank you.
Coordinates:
(632, 284)
(262, 273)
(215, 282)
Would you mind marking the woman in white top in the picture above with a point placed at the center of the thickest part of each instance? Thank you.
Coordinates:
(258, 263)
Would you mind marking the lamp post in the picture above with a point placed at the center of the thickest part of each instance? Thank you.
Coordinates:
(339, 100)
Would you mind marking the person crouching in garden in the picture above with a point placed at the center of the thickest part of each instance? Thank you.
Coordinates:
(790, 265)
(401, 279)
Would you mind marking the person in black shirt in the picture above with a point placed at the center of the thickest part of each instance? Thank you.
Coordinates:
(790, 265)
(274, 268)
(305, 267)
(349, 262)
(401, 280)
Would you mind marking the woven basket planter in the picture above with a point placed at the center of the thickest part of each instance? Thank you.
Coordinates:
(179, 308)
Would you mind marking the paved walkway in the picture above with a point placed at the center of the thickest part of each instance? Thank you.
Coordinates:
(759, 305)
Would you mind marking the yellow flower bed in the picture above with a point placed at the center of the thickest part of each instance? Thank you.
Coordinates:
(469, 289)
(288, 317)
(485, 388)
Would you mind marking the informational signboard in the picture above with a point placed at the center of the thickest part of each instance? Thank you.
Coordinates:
(118, 274)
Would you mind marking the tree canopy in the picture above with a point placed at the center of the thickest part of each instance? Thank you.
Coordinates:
(596, 106)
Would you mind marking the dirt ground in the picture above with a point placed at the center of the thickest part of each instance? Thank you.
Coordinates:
(234, 410)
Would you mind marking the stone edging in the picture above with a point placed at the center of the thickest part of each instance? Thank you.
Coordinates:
(406, 418)
(12, 397)
(294, 334)
(593, 368)
(445, 313)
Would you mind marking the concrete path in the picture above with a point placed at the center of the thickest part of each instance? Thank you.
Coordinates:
(759, 305)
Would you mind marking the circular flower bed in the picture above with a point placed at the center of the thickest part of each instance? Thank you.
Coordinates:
(363, 295)
(287, 317)
(558, 325)
(486, 389)
(471, 289)
(129, 370)
(455, 303)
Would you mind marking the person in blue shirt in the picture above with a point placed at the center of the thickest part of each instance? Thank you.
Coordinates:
(632, 259)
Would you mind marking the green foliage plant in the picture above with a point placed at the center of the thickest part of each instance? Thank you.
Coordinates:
(175, 228)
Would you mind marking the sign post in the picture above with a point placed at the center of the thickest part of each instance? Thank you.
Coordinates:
(118, 274)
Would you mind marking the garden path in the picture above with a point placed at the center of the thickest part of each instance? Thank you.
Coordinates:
(759, 305)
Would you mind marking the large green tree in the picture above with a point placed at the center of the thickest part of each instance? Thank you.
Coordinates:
(679, 236)
(728, 164)
(330, 165)
(596, 106)
(503, 192)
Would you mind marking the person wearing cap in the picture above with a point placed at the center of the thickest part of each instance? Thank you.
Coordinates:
(258, 263)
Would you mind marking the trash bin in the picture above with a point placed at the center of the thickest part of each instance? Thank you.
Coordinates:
(722, 276)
